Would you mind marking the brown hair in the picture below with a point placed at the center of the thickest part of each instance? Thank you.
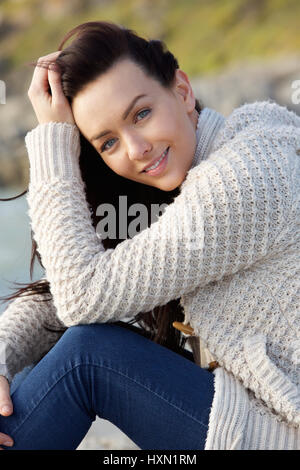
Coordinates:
(99, 45)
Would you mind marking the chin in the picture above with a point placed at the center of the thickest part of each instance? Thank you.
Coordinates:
(171, 184)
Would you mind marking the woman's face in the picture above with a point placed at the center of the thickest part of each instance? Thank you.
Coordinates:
(138, 131)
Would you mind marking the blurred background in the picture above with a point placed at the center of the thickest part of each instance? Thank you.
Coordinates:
(234, 51)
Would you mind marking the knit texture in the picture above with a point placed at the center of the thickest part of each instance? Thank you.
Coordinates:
(228, 246)
(23, 338)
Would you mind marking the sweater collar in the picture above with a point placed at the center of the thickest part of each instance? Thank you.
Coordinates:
(209, 124)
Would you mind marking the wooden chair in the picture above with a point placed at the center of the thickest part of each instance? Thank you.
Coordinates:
(199, 351)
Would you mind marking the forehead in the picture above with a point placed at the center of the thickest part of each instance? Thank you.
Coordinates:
(114, 89)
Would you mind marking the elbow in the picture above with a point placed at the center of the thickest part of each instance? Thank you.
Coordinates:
(68, 318)
(67, 321)
(73, 319)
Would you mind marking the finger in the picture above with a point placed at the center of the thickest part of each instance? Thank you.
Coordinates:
(6, 440)
(6, 406)
(39, 82)
(55, 84)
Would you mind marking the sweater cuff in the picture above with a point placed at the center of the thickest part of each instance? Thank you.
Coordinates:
(53, 150)
(3, 360)
(5, 373)
(229, 413)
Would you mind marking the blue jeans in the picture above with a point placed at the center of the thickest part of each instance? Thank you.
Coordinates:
(158, 398)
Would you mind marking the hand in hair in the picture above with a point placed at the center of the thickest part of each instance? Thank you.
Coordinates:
(5, 401)
(46, 94)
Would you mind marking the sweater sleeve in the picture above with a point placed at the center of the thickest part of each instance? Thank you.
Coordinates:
(230, 212)
(257, 114)
(23, 338)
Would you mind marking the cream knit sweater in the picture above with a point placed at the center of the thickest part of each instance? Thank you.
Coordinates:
(228, 246)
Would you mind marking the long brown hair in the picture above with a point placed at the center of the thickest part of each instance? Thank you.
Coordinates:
(96, 47)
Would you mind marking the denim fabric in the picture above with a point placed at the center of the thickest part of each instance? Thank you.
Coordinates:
(158, 398)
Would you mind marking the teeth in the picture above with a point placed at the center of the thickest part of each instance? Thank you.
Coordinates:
(157, 163)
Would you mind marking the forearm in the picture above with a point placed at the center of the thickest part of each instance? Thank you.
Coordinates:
(224, 220)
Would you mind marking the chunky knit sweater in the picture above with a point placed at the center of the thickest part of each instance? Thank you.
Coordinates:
(228, 247)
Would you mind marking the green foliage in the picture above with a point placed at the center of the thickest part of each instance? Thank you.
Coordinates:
(204, 35)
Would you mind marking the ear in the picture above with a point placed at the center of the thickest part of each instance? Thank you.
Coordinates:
(184, 90)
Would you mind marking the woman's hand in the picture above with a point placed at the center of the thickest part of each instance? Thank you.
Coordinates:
(5, 401)
(49, 107)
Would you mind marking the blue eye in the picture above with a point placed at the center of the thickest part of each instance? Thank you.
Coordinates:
(143, 111)
(103, 148)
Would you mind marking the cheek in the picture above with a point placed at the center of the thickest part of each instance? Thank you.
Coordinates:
(170, 128)
(164, 124)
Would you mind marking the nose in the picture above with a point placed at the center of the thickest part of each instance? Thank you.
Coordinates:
(137, 147)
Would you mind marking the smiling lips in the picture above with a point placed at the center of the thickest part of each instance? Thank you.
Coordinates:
(157, 164)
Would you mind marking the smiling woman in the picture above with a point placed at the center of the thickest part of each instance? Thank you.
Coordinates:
(99, 56)
(153, 141)
(117, 117)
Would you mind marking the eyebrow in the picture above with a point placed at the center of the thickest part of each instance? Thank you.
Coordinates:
(124, 116)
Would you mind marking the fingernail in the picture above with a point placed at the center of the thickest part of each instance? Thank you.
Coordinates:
(8, 443)
(5, 409)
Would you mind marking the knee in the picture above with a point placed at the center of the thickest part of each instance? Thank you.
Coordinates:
(93, 337)
(81, 337)
(107, 339)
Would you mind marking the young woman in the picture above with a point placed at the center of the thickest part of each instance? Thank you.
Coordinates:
(118, 117)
